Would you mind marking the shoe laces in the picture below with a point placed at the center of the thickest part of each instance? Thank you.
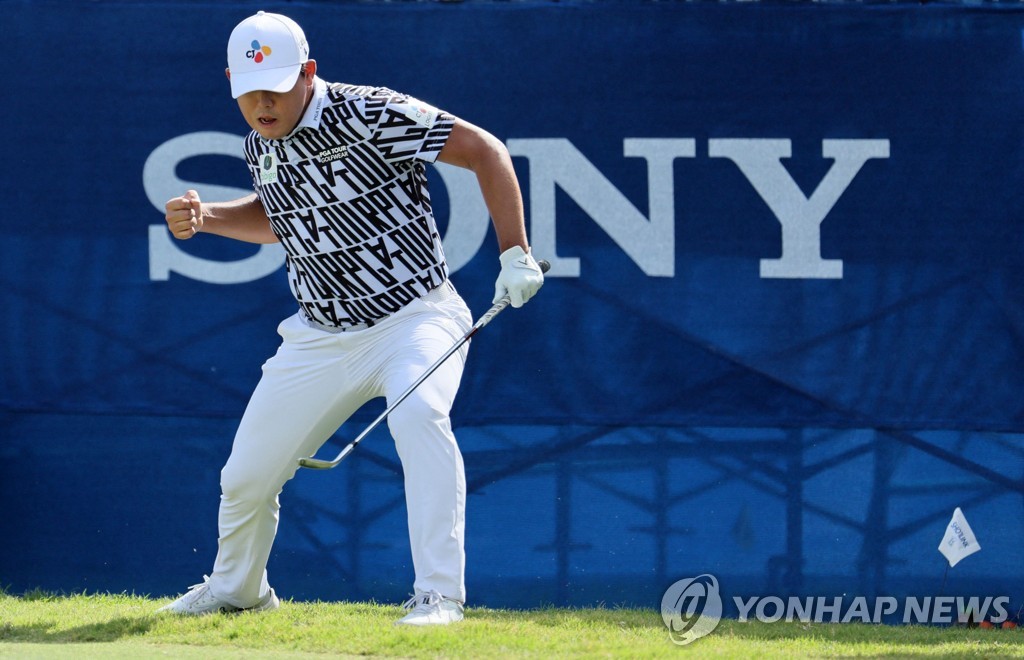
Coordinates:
(423, 602)
(196, 591)
(204, 583)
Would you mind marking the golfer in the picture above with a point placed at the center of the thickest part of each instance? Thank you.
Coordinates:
(340, 183)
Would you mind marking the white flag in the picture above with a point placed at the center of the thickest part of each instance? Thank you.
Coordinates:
(959, 541)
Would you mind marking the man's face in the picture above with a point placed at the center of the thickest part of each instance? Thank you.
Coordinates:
(276, 114)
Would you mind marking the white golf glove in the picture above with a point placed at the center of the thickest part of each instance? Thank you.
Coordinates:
(520, 277)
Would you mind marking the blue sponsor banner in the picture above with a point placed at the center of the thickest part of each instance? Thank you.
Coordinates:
(785, 244)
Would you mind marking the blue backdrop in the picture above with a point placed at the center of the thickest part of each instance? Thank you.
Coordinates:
(783, 335)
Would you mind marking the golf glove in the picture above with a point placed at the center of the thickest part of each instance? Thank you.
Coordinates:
(520, 277)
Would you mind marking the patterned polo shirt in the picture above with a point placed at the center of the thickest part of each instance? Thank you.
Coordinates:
(346, 193)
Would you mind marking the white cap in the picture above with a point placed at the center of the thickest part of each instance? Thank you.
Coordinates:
(265, 52)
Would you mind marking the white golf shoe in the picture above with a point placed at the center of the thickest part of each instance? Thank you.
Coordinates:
(200, 600)
(431, 609)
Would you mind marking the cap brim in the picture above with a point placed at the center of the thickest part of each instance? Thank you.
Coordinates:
(278, 80)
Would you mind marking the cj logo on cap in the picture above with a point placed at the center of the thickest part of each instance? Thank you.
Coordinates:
(258, 53)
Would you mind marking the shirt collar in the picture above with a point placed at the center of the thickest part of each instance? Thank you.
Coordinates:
(315, 109)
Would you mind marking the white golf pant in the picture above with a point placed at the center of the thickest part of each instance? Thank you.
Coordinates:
(314, 382)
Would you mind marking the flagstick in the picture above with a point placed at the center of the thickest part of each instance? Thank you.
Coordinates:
(942, 591)
(958, 543)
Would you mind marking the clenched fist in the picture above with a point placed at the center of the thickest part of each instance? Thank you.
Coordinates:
(184, 215)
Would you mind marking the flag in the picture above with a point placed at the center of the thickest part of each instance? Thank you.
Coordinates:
(959, 541)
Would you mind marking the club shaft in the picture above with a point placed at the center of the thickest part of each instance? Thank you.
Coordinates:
(488, 316)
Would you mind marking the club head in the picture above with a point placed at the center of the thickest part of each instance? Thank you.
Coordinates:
(316, 463)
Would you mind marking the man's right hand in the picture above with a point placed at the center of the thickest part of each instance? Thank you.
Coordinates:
(184, 215)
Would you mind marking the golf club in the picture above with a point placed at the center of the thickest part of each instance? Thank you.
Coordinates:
(319, 464)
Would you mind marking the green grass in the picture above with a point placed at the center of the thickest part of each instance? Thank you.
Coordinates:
(39, 625)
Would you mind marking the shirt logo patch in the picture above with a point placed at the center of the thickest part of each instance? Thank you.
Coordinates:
(421, 113)
(268, 168)
(333, 154)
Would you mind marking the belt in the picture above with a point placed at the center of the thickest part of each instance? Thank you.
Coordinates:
(437, 294)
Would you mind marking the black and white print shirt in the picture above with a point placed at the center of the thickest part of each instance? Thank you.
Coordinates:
(346, 193)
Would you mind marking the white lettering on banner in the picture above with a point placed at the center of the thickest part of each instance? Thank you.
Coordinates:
(161, 182)
(554, 163)
(800, 217)
(468, 218)
(649, 242)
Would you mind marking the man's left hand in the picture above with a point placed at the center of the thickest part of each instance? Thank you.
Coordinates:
(520, 277)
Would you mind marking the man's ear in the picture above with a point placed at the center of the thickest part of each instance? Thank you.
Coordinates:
(310, 69)
(227, 72)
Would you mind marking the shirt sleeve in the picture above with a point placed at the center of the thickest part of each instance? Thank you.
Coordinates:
(404, 128)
